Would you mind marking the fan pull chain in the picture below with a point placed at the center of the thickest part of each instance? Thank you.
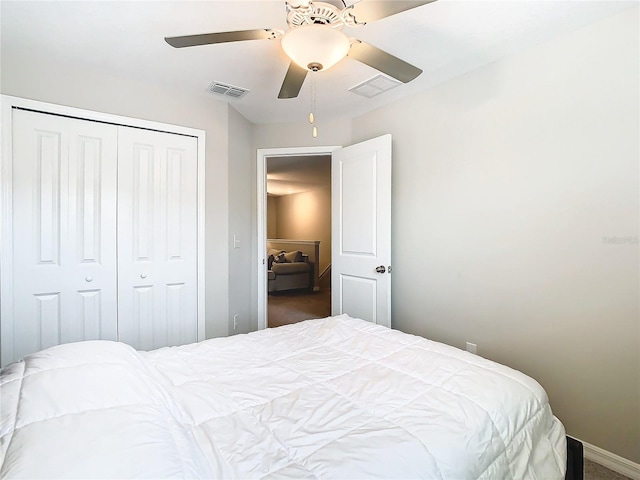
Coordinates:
(314, 130)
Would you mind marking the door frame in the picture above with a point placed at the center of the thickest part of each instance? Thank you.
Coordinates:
(261, 181)
(7, 105)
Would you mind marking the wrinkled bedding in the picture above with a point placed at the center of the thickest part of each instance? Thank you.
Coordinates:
(328, 398)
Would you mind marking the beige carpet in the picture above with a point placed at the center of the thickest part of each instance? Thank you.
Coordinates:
(595, 471)
(292, 307)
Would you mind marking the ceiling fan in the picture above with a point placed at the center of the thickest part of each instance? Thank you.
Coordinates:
(315, 40)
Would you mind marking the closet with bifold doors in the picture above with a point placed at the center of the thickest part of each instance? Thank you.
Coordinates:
(100, 233)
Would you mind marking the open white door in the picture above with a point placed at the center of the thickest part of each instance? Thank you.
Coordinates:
(361, 231)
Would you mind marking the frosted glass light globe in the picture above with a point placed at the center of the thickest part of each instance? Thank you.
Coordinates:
(315, 47)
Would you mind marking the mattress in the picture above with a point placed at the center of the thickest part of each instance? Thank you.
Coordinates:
(329, 398)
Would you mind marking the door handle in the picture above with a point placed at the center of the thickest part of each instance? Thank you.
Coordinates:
(381, 269)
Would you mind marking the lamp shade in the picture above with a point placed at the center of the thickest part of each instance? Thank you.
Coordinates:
(317, 47)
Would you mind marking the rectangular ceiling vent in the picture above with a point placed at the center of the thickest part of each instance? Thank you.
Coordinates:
(375, 86)
(227, 90)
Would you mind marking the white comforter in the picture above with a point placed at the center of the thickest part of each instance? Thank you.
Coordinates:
(330, 398)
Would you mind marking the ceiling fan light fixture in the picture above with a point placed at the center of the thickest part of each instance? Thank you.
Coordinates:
(315, 47)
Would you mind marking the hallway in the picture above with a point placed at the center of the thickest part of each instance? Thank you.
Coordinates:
(294, 307)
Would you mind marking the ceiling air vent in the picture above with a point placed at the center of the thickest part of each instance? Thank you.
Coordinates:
(375, 86)
(227, 90)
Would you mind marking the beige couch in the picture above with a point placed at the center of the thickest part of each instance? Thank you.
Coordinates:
(307, 247)
(288, 271)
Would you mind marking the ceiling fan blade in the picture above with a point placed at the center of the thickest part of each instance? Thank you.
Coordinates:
(383, 61)
(367, 11)
(222, 37)
(293, 81)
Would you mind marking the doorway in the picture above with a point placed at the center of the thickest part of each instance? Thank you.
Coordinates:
(298, 238)
(361, 228)
(295, 185)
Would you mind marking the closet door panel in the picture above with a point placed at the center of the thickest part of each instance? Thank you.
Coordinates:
(90, 318)
(92, 229)
(157, 241)
(64, 173)
(40, 144)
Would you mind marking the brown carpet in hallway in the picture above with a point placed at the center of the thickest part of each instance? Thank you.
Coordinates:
(292, 307)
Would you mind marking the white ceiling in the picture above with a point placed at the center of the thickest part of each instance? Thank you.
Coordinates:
(445, 39)
(293, 174)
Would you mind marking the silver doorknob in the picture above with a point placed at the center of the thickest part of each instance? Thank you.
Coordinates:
(143, 275)
(381, 269)
(88, 279)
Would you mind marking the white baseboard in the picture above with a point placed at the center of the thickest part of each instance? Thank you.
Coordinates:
(611, 460)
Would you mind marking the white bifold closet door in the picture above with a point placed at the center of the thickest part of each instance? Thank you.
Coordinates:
(64, 233)
(103, 236)
(157, 238)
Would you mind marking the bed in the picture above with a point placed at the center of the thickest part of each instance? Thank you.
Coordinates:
(328, 398)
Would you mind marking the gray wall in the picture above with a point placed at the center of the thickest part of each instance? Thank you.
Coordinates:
(65, 85)
(505, 183)
(241, 194)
